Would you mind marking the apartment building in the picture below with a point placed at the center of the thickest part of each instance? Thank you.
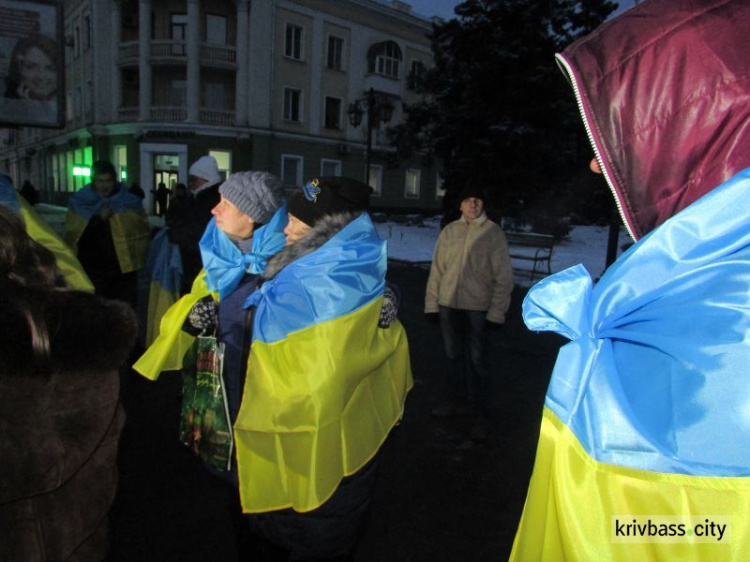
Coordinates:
(289, 86)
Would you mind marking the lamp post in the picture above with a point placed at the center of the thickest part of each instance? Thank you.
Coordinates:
(379, 108)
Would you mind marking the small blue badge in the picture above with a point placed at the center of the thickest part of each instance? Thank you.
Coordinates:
(311, 190)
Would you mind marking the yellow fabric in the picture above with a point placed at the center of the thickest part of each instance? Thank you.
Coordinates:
(159, 301)
(131, 237)
(169, 348)
(75, 224)
(572, 500)
(316, 407)
(67, 263)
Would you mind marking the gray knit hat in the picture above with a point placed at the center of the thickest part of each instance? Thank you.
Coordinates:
(257, 194)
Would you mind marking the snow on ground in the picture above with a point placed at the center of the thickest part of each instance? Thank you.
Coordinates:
(585, 244)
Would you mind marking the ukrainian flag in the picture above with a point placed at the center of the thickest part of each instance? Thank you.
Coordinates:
(224, 266)
(324, 384)
(163, 270)
(129, 224)
(648, 409)
(42, 233)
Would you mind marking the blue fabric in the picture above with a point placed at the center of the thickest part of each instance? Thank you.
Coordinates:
(656, 375)
(164, 264)
(225, 264)
(8, 194)
(87, 202)
(345, 273)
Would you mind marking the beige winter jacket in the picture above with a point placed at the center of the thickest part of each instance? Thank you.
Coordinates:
(471, 269)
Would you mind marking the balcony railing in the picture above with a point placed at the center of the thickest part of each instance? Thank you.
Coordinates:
(165, 114)
(170, 49)
(218, 53)
(128, 114)
(176, 50)
(129, 51)
(223, 118)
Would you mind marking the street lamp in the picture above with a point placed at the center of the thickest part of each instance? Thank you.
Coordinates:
(379, 108)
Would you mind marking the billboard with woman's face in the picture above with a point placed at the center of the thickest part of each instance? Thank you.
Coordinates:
(31, 63)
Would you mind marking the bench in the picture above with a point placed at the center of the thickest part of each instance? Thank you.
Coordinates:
(540, 244)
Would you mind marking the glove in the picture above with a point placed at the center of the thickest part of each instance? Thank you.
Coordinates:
(389, 310)
(433, 318)
(202, 317)
(491, 326)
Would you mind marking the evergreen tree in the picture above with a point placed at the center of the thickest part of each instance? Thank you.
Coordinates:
(497, 111)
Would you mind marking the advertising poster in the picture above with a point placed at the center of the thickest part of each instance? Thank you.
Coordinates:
(31, 63)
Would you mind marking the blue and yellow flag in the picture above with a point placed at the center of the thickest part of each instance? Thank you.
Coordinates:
(224, 266)
(163, 270)
(647, 418)
(41, 232)
(129, 224)
(324, 384)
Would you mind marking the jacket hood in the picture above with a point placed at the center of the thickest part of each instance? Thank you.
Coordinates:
(664, 92)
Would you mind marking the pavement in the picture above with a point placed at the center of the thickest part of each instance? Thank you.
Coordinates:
(441, 496)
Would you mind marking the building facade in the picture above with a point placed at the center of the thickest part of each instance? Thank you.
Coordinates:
(276, 85)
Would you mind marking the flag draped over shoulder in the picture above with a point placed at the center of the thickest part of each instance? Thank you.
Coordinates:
(648, 409)
(129, 224)
(42, 233)
(225, 266)
(324, 384)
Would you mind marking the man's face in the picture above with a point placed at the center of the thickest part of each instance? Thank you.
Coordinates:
(233, 222)
(295, 229)
(471, 208)
(194, 182)
(104, 184)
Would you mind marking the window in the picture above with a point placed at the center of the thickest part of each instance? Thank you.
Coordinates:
(416, 75)
(330, 167)
(375, 181)
(334, 59)
(439, 187)
(121, 161)
(291, 170)
(178, 33)
(333, 113)
(412, 184)
(216, 30)
(178, 93)
(224, 160)
(293, 48)
(384, 59)
(292, 105)
(216, 96)
(86, 32)
(76, 41)
(78, 102)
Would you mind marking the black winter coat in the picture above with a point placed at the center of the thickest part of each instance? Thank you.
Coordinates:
(60, 425)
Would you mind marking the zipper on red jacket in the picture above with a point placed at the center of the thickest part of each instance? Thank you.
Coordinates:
(565, 67)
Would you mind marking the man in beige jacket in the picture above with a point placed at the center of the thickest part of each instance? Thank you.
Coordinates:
(468, 293)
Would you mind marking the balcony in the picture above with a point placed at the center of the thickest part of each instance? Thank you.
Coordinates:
(166, 114)
(166, 51)
(173, 114)
(220, 118)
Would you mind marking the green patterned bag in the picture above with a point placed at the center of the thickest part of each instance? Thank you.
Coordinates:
(204, 424)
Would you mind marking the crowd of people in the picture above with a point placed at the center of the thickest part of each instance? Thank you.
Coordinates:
(646, 410)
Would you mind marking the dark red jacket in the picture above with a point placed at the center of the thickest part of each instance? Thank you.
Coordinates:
(664, 91)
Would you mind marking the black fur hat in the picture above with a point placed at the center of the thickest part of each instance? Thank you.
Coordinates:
(327, 196)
